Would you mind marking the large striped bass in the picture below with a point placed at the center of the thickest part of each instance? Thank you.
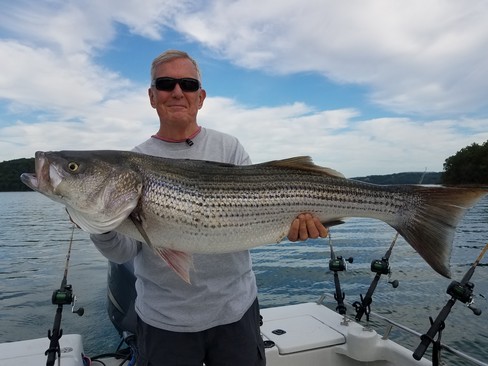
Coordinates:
(181, 207)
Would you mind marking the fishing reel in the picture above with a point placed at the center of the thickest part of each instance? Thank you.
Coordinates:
(65, 296)
(382, 267)
(338, 264)
(463, 293)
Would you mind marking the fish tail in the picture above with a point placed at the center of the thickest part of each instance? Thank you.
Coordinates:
(431, 227)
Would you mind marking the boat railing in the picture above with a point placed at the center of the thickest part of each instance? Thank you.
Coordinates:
(392, 323)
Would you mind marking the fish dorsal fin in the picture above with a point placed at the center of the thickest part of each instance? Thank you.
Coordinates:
(304, 163)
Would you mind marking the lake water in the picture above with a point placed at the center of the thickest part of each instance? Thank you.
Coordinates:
(34, 238)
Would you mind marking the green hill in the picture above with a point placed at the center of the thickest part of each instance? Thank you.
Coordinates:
(10, 172)
(404, 178)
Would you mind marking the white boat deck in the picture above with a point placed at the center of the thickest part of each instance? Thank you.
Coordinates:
(32, 352)
(316, 335)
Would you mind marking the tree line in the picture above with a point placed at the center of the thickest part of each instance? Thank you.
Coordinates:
(10, 172)
(468, 166)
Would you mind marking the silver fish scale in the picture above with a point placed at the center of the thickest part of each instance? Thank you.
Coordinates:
(257, 206)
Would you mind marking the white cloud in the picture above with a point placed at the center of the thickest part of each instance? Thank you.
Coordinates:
(411, 56)
(415, 56)
(340, 139)
(73, 26)
(39, 78)
(66, 26)
(148, 20)
(114, 124)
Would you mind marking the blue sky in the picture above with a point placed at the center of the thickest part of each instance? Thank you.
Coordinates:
(364, 87)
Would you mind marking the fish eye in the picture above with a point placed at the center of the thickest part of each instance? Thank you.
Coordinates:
(73, 166)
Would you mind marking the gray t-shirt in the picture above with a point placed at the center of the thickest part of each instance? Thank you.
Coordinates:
(223, 286)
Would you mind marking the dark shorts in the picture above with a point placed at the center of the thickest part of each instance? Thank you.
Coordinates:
(235, 344)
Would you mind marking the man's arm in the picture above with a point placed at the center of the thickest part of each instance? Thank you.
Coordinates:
(116, 247)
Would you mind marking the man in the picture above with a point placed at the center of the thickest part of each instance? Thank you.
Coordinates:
(215, 319)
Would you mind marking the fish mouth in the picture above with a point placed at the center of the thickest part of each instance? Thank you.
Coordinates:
(40, 180)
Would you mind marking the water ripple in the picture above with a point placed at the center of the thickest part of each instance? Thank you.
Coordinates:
(36, 231)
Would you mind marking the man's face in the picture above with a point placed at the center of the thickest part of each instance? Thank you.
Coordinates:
(176, 106)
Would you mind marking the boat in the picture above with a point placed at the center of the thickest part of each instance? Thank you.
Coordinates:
(295, 335)
(307, 334)
(304, 334)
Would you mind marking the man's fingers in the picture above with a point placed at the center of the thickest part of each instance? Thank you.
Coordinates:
(306, 226)
(323, 231)
(312, 230)
(293, 233)
(303, 231)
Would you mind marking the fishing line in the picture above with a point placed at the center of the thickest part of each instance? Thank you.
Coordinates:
(68, 255)
(62, 296)
(379, 267)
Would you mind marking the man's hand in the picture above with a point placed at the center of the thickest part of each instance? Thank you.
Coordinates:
(306, 226)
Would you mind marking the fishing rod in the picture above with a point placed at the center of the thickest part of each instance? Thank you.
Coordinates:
(338, 264)
(62, 296)
(379, 267)
(462, 291)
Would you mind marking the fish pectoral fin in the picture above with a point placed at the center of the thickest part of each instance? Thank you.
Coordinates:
(137, 221)
(180, 262)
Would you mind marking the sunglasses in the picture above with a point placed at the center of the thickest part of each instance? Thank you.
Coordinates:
(168, 84)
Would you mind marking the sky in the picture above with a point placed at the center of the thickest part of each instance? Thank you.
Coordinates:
(362, 86)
